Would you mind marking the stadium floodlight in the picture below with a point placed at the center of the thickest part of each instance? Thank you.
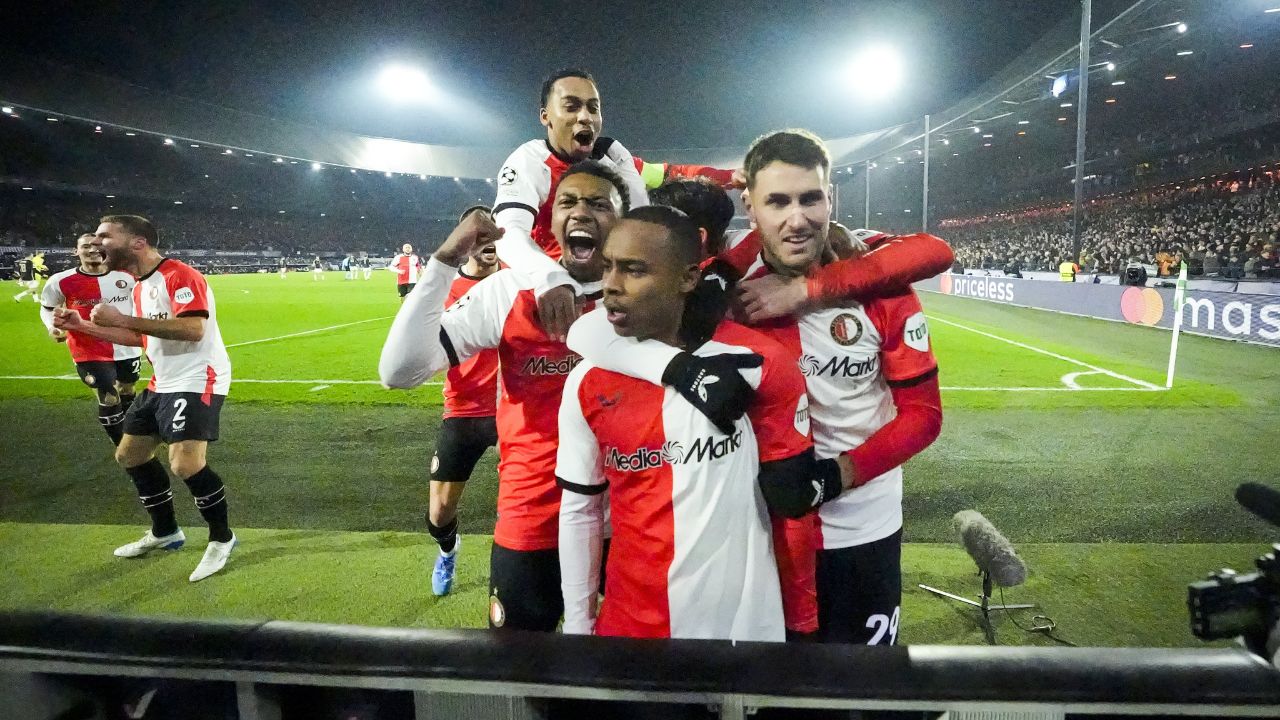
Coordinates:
(405, 84)
(6, 110)
(1024, 122)
(977, 129)
(316, 166)
(1111, 67)
(875, 72)
(1059, 85)
(177, 202)
(279, 159)
(1246, 46)
(167, 141)
(456, 179)
(386, 174)
(422, 177)
(1181, 28)
(194, 145)
(131, 134)
(1118, 82)
(1184, 53)
(235, 207)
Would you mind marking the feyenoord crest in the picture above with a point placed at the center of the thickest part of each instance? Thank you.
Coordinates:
(121, 284)
(846, 329)
(497, 615)
(154, 292)
(507, 176)
(435, 464)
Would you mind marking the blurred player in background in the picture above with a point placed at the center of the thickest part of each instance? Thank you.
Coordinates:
(365, 266)
(284, 267)
(30, 270)
(317, 268)
(348, 268)
(469, 427)
(407, 266)
(501, 312)
(110, 369)
(176, 322)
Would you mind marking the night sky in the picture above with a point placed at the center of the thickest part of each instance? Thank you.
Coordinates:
(671, 75)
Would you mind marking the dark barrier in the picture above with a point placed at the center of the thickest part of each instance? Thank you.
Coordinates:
(1231, 316)
(256, 655)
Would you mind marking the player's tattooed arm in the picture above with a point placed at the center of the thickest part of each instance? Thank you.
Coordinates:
(68, 320)
(188, 328)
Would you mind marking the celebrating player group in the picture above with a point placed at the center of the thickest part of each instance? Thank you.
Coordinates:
(732, 409)
(700, 431)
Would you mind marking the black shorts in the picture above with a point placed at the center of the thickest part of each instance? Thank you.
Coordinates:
(524, 589)
(405, 289)
(459, 446)
(860, 592)
(174, 416)
(104, 374)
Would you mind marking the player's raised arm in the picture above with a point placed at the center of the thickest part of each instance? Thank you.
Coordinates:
(523, 186)
(580, 475)
(422, 342)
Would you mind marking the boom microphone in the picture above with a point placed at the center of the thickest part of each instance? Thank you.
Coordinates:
(992, 552)
(1260, 500)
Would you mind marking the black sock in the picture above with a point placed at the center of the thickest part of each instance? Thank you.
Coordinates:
(156, 495)
(126, 399)
(112, 419)
(211, 499)
(447, 536)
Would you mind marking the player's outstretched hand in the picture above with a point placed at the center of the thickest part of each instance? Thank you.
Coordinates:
(104, 315)
(476, 229)
(713, 384)
(557, 309)
(772, 296)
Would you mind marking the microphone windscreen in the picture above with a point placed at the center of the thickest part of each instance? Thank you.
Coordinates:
(990, 550)
(1260, 500)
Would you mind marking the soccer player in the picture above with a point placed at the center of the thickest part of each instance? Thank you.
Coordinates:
(365, 266)
(408, 268)
(348, 268)
(570, 111)
(317, 268)
(284, 267)
(110, 369)
(501, 312)
(691, 553)
(468, 427)
(27, 279)
(176, 322)
(871, 377)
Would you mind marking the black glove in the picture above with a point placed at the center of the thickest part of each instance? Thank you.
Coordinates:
(707, 305)
(713, 384)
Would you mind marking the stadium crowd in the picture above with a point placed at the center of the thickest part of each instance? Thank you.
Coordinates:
(1228, 228)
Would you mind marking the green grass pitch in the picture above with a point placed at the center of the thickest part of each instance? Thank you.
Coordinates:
(1117, 494)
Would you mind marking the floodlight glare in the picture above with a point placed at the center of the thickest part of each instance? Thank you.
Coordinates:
(405, 84)
(6, 110)
(1111, 67)
(315, 166)
(1181, 28)
(875, 72)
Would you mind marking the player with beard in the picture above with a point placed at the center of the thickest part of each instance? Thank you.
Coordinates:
(408, 267)
(501, 312)
(110, 369)
(871, 377)
(468, 428)
(691, 552)
(570, 110)
(175, 321)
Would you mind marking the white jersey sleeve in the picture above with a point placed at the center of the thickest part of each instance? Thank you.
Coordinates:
(581, 477)
(625, 165)
(51, 296)
(524, 185)
(593, 337)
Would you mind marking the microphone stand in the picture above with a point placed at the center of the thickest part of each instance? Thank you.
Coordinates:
(984, 604)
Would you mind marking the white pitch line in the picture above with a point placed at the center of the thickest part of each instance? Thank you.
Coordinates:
(1070, 379)
(1064, 358)
(308, 332)
(1057, 389)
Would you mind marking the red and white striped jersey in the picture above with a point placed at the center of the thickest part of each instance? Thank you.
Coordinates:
(407, 268)
(471, 388)
(501, 312)
(526, 185)
(849, 356)
(81, 291)
(691, 554)
(174, 289)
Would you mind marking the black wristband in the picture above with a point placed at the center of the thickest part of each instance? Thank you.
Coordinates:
(832, 484)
